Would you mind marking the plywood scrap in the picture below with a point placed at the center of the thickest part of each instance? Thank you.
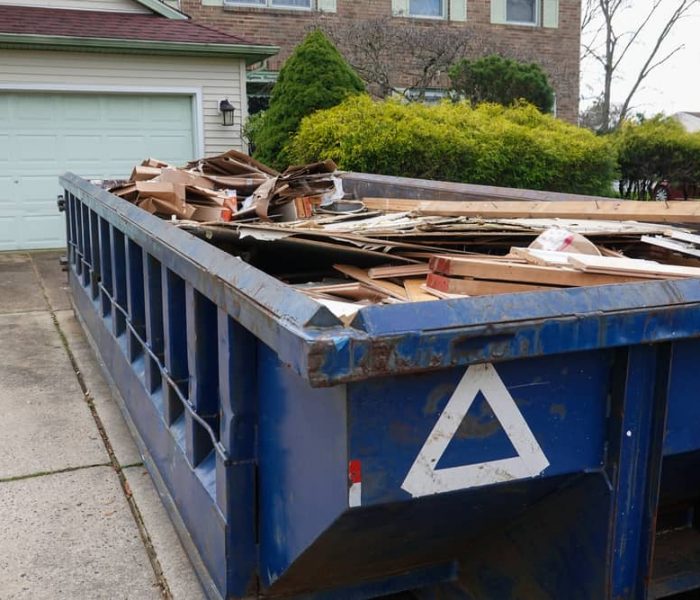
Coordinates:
(616, 210)
(478, 287)
(416, 292)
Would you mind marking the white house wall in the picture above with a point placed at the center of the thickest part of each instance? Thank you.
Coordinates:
(213, 78)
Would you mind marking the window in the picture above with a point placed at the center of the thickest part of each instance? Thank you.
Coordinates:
(521, 11)
(274, 3)
(426, 8)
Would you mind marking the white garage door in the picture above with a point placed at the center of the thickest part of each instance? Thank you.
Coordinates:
(42, 135)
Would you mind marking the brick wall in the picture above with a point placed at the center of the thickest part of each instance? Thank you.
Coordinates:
(557, 50)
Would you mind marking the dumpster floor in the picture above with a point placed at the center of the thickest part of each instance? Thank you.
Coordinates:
(80, 515)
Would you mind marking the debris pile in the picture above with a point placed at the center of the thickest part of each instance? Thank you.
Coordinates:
(230, 186)
(350, 252)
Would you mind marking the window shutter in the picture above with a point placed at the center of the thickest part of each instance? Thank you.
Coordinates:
(550, 13)
(458, 10)
(399, 7)
(327, 6)
(498, 11)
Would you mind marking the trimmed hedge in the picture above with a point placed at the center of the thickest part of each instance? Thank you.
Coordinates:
(657, 152)
(490, 144)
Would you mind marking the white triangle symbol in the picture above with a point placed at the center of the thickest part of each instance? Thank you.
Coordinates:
(424, 479)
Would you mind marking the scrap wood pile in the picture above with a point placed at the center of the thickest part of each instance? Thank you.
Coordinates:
(350, 252)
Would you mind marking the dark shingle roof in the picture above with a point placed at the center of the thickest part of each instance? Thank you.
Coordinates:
(26, 20)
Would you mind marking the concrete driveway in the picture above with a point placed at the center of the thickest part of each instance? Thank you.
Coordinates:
(80, 515)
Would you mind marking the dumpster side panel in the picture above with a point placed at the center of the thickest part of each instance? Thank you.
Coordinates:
(466, 428)
(303, 463)
(684, 410)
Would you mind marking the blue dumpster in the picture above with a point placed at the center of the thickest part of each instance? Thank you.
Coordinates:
(540, 445)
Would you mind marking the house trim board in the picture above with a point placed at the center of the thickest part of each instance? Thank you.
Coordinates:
(251, 53)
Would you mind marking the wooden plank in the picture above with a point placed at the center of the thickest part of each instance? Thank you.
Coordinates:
(393, 290)
(399, 271)
(545, 258)
(415, 292)
(672, 245)
(442, 295)
(479, 287)
(524, 273)
(683, 236)
(615, 210)
(632, 267)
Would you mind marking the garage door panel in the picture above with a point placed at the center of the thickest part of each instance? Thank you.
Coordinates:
(94, 135)
(168, 147)
(33, 147)
(125, 110)
(4, 109)
(35, 109)
(36, 191)
(9, 228)
(5, 145)
(42, 231)
(83, 111)
(167, 110)
(83, 148)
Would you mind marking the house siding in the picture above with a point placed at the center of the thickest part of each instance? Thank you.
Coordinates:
(125, 6)
(557, 49)
(217, 78)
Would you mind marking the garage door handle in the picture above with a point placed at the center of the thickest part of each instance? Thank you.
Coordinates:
(61, 202)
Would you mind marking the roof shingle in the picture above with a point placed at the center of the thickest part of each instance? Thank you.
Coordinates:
(29, 20)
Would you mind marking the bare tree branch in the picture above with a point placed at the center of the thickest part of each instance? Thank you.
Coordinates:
(605, 17)
(372, 46)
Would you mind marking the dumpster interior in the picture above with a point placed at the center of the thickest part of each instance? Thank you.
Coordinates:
(346, 250)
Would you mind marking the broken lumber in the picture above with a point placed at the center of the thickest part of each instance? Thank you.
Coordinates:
(391, 289)
(631, 267)
(399, 271)
(614, 210)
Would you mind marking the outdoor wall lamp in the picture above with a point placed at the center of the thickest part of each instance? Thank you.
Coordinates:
(227, 111)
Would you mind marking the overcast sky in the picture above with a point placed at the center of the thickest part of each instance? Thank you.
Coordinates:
(674, 86)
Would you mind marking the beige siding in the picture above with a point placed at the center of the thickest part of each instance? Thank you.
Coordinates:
(217, 78)
(128, 6)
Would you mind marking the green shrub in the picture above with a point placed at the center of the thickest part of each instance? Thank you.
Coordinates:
(502, 80)
(251, 129)
(315, 76)
(489, 144)
(654, 152)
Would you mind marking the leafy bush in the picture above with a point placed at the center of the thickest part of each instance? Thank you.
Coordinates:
(502, 80)
(315, 76)
(489, 144)
(656, 152)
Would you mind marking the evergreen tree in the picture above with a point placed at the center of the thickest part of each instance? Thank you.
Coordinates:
(502, 80)
(315, 76)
